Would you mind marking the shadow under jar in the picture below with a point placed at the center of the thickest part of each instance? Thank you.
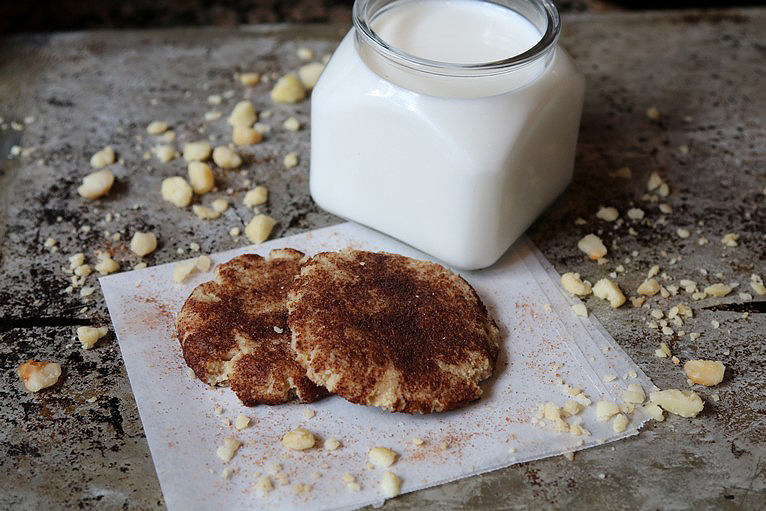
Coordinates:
(448, 124)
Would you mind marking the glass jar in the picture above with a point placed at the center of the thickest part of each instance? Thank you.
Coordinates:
(450, 125)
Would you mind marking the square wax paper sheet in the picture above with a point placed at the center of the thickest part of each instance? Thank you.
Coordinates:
(545, 350)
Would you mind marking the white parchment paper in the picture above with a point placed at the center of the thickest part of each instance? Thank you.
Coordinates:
(543, 342)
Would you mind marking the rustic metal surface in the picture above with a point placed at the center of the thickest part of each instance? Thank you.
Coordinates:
(705, 73)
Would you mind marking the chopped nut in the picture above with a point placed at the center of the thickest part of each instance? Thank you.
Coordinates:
(76, 260)
(255, 197)
(685, 403)
(245, 135)
(653, 411)
(572, 284)
(213, 115)
(417, 441)
(382, 456)
(203, 263)
(182, 270)
(220, 205)
(157, 127)
(196, 151)
(292, 124)
(608, 214)
(635, 214)
(259, 228)
(331, 444)
(634, 394)
(705, 372)
(653, 114)
(637, 301)
(264, 485)
(288, 89)
(229, 448)
(649, 287)
(200, 177)
(298, 440)
(106, 264)
(580, 309)
(227, 472)
(620, 423)
(663, 351)
(164, 153)
(305, 53)
(96, 184)
(683, 233)
(730, 239)
(241, 422)
(291, 160)
(226, 158)
(38, 375)
(250, 79)
(391, 484)
(605, 410)
(143, 243)
(608, 290)
(177, 191)
(593, 246)
(310, 73)
(102, 158)
(205, 213)
(88, 336)
(572, 407)
(83, 270)
(718, 290)
(243, 114)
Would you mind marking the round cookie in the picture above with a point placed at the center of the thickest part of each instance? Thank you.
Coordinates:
(390, 331)
(234, 329)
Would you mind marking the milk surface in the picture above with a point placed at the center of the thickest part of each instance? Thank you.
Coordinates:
(455, 166)
(456, 31)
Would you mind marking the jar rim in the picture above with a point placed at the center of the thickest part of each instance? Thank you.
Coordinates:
(365, 11)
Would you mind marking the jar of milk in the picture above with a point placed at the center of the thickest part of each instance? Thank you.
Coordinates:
(448, 124)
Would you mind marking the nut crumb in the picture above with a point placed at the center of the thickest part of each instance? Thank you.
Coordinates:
(382, 456)
(705, 372)
(38, 375)
(241, 422)
(608, 290)
(288, 89)
(298, 440)
(226, 158)
(592, 246)
(572, 283)
(102, 158)
(685, 403)
(259, 228)
(143, 243)
(96, 184)
(331, 444)
(228, 449)
(291, 160)
(89, 336)
(391, 484)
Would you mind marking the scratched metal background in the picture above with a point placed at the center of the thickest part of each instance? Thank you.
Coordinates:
(87, 90)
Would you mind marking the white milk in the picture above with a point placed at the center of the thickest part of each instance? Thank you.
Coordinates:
(456, 166)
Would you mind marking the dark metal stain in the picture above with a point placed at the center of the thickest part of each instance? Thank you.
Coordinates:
(11, 323)
(737, 452)
(757, 307)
